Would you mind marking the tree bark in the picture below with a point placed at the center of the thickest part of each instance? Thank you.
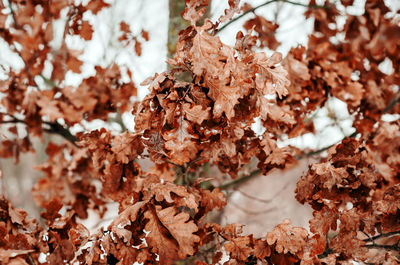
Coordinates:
(177, 23)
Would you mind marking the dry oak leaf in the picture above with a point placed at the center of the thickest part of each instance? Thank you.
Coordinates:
(196, 113)
(231, 11)
(324, 220)
(391, 200)
(96, 6)
(297, 69)
(275, 155)
(86, 30)
(240, 247)
(205, 52)
(179, 142)
(271, 110)
(271, 78)
(207, 56)
(171, 234)
(330, 175)
(125, 218)
(73, 63)
(81, 97)
(287, 238)
(127, 146)
(79, 235)
(212, 199)
(265, 30)
(17, 215)
(159, 240)
(180, 229)
(191, 13)
(261, 249)
(49, 107)
(353, 94)
(232, 230)
(173, 193)
(124, 27)
(226, 98)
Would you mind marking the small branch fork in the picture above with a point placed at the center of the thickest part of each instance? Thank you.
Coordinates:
(372, 244)
(264, 4)
(54, 127)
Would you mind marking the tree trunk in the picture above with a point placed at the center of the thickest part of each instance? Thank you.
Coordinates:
(177, 23)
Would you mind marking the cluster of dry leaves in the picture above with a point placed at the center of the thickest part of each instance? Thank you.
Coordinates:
(200, 113)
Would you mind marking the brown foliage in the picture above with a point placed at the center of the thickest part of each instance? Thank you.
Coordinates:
(197, 114)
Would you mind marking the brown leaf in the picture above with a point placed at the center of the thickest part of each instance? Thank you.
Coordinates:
(214, 199)
(138, 48)
(265, 30)
(287, 238)
(86, 30)
(125, 218)
(240, 247)
(159, 240)
(179, 142)
(125, 27)
(271, 78)
(145, 35)
(261, 249)
(181, 229)
(173, 193)
(196, 113)
(96, 6)
(79, 235)
(126, 147)
(231, 11)
(195, 10)
(73, 63)
(17, 215)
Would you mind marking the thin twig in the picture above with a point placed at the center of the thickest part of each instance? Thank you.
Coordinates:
(55, 128)
(388, 247)
(264, 4)
(252, 197)
(372, 239)
(14, 119)
(240, 180)
(369, 237)
(327, 249)
(31, 260)
(316, 152)
(17, 25)
(393, 102)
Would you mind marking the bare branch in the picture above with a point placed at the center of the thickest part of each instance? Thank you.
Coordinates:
(389, 234)
(55, 127)
(264, 4)
(387, 247)
(240, 180)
